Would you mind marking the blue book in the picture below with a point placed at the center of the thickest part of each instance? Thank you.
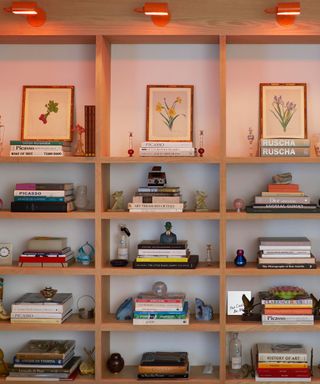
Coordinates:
(165, 313)
(42, 198)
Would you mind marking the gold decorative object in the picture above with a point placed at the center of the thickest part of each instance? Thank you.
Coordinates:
(48, 293)
(87, 366)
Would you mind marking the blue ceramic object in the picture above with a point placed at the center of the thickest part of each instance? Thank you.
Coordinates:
(125, 310)
(203, 311)
(240, 260)
(85, 254)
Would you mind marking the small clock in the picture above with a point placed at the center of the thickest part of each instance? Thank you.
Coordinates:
(5, 253)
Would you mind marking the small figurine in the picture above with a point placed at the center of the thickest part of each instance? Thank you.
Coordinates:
(48, 293)
(85, 254)
(240, 260)
(250, 138)
(201, 205)
(87, 366)
(238, 204)
(115, 363)
(156, 177)
(3, 314)
(118, 202)
(4, 370)
(125, 310)
(248, 309)
(209, 255)
(168, 237)
(282, 178)
(203, 311)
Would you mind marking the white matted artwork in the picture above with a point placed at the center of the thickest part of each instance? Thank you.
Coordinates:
(169, 112)
(234, 302)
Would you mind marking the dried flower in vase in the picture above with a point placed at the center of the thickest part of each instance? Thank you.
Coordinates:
(79, 151)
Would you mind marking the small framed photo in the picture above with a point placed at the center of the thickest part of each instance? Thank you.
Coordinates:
(169, 112)
(47, 112)
(283, 110)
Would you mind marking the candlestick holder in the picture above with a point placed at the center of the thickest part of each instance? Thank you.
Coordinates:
(130, 150)
(201, 149)
(250, 138)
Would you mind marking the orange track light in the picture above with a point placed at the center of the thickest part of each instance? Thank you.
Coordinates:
(35, 15)
(159, 13)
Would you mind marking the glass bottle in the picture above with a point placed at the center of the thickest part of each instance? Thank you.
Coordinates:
(240, 260)
(81, 201)
(235, 354)
(123, 249)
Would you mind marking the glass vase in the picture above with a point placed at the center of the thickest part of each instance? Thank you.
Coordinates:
(79, 150)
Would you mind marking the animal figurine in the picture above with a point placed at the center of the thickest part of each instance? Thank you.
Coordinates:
(125, 310)
(248, 308)
(201, 205)
(118, 202)
(315, 305)
(203, 312)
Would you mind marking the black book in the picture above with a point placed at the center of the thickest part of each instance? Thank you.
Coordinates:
(45, 186)
(287, 266)
(164, 359)
(155, 244)
(150, 376)
(41, 206)
(190, 264)
(251, 209)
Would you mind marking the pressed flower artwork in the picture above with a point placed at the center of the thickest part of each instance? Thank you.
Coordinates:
(47, 112)
(283, 110)
(169, 112)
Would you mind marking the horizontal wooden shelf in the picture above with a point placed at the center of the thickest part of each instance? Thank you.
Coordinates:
(75, 269)
(74, 215)
(160, 159)
(47, 159)
(186, 215)
(250, 269)
(110, 324)
(74, 323)
(202, 270)
(235, 324)
(79, 379)
(129, 375)
(271, 160)
(271, 216)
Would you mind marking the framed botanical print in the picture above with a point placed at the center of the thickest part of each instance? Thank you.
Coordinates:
(283, 110)
(169, 112)
(47, 112)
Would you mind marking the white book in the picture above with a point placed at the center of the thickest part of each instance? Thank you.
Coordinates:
(287, 248)
(150, 307)
(155, 210)
(157, 199)
(36, 148)
(287, 318)
(281, 352)
(166, 144)
(163, 252)
(156, 205)
(47, 193)
(167, 152)
(36, 153)
(161, 321)
(283, 379)
(37, 315)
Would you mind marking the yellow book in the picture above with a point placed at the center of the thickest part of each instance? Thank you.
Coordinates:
(162, 259)
(36, 321)
(287, 306)
(282, 365)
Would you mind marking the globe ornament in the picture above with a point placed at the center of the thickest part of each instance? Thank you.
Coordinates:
(159, 288)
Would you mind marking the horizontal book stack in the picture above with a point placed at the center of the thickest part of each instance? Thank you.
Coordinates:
(153, 254)
(285, 253)
(45, 360)
(285, 147)
(157, 199)
(47, 252)
(282, 363)
(171, 309)
(164, 365)
(166, 148)
(283, 198)
(43, 197)
(34, 308)
(39, 148)
(279, 311)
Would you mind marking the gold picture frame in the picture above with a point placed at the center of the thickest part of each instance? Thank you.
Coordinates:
(283, 110)
(169, 112)
(47, 112)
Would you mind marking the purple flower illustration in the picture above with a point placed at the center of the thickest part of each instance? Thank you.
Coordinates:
(282, 111)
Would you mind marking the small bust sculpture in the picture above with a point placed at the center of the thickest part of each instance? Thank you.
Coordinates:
(201, 205)
(118, 203)
(168, 237)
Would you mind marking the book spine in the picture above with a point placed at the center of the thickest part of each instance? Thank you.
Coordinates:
(44, 193)
(36, 308)
(93, 129)
(279, 194)
(156, 199)
(155, 205)
(36, 321)
(39, 315)
(160, 322)
(166, 144)
(44, 186)
(157, 301)
(287, 302)
(154, 316)
(161, 260)
(162, 376)
(282, 210)
(40, 198)
(175, 152)
(285, 375)
(272, 357)
(303, 206)
(31, 206)
(285, 247)
(44, 259)
(287, 318)
(159, 189)
(36, 148)
(152, 307)
(163, 246)
(162, 252)
(38, 361)
(281, 260)
(282, 365)
(86, 131)
(90, 130)
(284, 142)
(284, 152)
(37, 153)
(287, 266)
(282, 200)
(283, 187)
(155, 210)
(36, 143)
(288, 311)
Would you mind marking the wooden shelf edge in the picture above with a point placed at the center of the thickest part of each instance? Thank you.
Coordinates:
(271, 160)
(186, 215)
(270, 216)
(75, 269)
(44, 159)
(157, 159)
(74, 215)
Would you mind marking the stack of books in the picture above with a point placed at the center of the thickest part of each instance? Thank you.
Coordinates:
(282, 363)
(279, 311)
(166, 148)
(157, 199)
(282, 198)
(34, 308)
(45, 360)
(285, 253)
(153, 254)
(164, 365)
(285, 147)
(43, 197)
(38, 148)
(47, 252)
(171, 309)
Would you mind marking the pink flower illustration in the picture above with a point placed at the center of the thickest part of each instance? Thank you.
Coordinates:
(43, 118)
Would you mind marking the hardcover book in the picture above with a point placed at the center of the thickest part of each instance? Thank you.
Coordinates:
(46, 349)
(282, 352)
(155, 244)
(164, 358)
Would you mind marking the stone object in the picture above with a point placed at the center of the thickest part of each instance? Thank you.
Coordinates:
(115, 363)
(125, 310)
(201, 205)
(203, 312)
(159, 288)
(118, 202)
(282, 178)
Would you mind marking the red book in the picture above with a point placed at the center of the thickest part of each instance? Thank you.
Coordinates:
(287, 372)
(288, 311)
(283, 187)
(24, 259)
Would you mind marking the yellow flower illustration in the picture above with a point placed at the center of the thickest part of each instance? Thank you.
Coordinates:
(168, 112)
(172, 112)
(159, 107)
(179, 100)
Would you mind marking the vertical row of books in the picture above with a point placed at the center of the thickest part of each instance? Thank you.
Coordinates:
(90, 127)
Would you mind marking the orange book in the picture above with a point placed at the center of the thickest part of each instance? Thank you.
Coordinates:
(283, 187)
(288, 311)
(282, 365)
